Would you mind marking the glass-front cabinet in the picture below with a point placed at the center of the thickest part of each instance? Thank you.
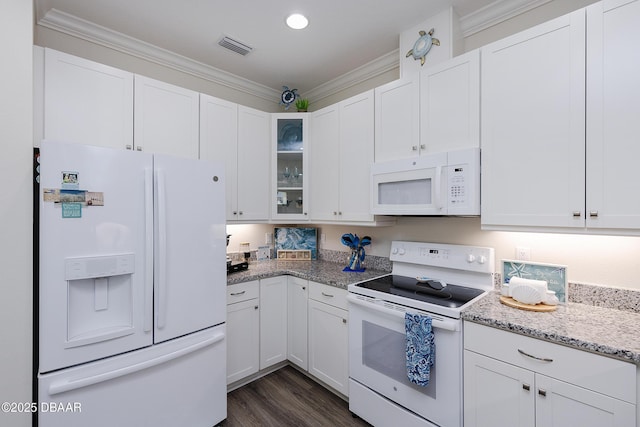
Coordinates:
(290, 139)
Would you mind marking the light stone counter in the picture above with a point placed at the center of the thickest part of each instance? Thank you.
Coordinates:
(326, 272)
(605, 331)
(602, 330)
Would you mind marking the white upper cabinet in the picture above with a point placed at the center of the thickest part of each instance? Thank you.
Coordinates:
(545, 165)
(436, 110)
(166, 118)
(450, 104)
(219, 141)
(533, 121)
(254, 164)
(240, 137)
(290, 139)
(341, 151)
(613, 115)
(324, 166)
(397, 119)
(86, 102)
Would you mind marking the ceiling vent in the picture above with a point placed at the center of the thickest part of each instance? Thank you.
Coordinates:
(235, 45)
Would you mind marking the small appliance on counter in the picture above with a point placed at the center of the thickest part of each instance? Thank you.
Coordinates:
(234, 267)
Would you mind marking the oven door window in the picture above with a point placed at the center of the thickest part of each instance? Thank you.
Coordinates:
(384, 351)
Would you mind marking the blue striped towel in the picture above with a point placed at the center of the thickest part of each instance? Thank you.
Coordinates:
(421, 348)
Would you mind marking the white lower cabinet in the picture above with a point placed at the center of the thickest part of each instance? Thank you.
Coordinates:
(328, 336)
(513, 380)
(243, 330)
(297, 311)
(273, 321)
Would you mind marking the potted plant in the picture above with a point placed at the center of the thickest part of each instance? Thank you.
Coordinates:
(302, 104)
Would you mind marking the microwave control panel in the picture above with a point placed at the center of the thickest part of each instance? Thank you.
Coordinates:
(457, 187)
(463, 182)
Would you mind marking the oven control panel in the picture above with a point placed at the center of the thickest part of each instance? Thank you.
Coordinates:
(460, 257)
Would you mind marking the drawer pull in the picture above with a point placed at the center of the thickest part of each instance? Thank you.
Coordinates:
(543, 359)
(542, 392)
(593, 214)
(235, 294)
(577, 214)
(526, 387)
(327, 295)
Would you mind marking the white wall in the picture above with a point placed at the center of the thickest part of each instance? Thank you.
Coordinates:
(15, 207)
(601, 260)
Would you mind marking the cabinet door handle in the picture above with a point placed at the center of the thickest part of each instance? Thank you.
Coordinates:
(543, 359)
(344, 320)
(335, 213)
(128, 147)
(255, 307)
(304, 288)
(423, 146)
(237, 293)
(414, 148)
(526, 387)
(542, 392)
(138, 148)
(577, 214)
(235, 212)
(593, 214)
(327, 295)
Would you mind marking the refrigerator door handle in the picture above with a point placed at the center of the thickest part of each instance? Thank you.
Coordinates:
(148, 261)
(73, 384)
(162, 250)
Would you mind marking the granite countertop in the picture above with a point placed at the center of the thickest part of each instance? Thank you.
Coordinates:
(605, 331)
(329, 273)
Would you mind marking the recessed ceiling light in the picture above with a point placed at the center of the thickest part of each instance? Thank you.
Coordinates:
(297, 21)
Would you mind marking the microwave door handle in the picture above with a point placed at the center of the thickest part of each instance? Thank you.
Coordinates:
(438, 190)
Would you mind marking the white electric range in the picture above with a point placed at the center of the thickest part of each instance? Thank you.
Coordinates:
(433, 279)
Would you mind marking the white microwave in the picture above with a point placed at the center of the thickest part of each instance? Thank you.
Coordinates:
(445, 183)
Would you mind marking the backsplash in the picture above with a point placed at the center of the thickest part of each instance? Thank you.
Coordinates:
(371, 261)
(604, 296)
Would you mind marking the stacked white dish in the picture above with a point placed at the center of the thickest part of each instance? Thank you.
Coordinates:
(529, 291)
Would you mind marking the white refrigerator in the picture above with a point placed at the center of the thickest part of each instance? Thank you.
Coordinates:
(132, 277)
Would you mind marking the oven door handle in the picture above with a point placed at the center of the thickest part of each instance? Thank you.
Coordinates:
(373, 304)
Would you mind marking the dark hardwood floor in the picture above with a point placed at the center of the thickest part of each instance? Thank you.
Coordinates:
(287, 397)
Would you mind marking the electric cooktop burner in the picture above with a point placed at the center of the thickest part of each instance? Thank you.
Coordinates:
(431, 291)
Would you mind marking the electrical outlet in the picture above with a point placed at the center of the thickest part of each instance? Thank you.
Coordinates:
(323, 238)
(268, 238)
(523, 253)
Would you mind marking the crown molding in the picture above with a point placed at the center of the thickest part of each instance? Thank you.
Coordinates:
(494, 13)
(365, 72)
(85, 30)
(472, 23)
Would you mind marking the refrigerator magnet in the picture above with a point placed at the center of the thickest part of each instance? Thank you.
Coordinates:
(71, 210)
(94, 198)
(70, 180)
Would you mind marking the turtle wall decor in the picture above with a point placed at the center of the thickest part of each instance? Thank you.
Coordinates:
(288, 97)
(422, 46)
